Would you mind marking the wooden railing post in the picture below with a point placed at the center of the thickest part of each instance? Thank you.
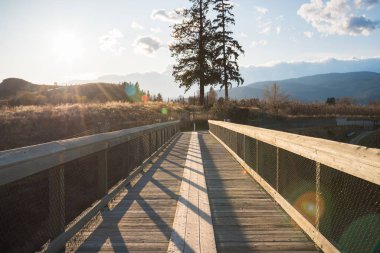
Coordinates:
(257, 156)
(102, 173)
(57, 200)
(244, 147)
(277, 167)
(157, 140)
(125, 159)
(317, 194)
(150, 143)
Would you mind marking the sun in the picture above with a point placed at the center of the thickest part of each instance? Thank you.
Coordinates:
(67, 47)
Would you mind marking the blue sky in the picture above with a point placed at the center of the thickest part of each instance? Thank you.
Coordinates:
(57, 41)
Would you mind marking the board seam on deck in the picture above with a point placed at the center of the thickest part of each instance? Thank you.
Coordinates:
(182, 239)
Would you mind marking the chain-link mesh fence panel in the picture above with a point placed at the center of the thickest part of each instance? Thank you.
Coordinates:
(36, 209)
(23, 208)
(240, 145)
(145, 152)
(297, 182)
(158, 138)
(250, 152)
(81, 181)
(152, 141)
(116, 164)
(350, 217)
(267, 159)
(344, 208)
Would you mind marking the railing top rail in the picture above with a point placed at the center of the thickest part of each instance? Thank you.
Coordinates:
(22, 162)
(355, 160)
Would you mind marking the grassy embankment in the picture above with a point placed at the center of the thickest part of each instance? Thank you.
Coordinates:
(30, 125)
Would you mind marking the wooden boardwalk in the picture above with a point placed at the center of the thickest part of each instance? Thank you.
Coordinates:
(174, 209)
(245, 217)
(143, 217)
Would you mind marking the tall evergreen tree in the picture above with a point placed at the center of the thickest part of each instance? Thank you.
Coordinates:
(227, 49)
(193, 48)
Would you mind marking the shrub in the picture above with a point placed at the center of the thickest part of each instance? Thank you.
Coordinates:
(223, 110)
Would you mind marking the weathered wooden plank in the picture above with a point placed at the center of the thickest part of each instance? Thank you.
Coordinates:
(245, 217)
(355, 160)
(309, 229)
(21, 162)
(192, 228)
(142, 217)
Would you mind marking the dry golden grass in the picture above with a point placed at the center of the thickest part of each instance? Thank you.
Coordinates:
(29, 125)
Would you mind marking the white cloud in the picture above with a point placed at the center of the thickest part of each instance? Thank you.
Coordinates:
(243, 35)
(308, 34)
(259, 43)
(269, 25)
(111, 41)
(137, 26)
(266, 29)
(261, 10)
(336, 17)
(155, 30)
(147, 45)
(366, 3)
(167, 16)
(278, 29)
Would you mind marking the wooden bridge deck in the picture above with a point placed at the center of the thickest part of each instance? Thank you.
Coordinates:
(169, 205)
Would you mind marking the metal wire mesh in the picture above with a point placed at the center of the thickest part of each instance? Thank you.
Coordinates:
(267, 167)
(344, 208)
(240, 145)
(23, 208)
(351, 211)
(36, 209)
(250, 152)
(80, 186)
(117, 163)
(297, 183)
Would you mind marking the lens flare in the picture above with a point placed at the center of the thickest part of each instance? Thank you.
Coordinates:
(362, 235)
(307, 205)
(164, 111)
(145, 99)
(130, 90)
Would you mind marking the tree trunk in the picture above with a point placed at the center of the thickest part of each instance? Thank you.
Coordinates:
(201, 94)
(225, 81)
(201, 56)
(226, 91)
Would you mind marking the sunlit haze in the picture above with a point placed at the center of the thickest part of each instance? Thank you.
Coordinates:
(59, 41)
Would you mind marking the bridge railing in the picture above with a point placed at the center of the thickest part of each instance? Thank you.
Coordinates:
(49, 191)
(330, 189)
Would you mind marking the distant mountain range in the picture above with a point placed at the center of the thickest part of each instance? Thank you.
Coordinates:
(20, 92)
(164, 83)
(287, 70)
(363, 86)
(154, 82)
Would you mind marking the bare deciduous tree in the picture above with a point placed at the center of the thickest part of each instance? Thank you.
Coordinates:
(274, 97)
(212, 96)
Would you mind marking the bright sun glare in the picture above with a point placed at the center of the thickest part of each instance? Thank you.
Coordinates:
(67, 47)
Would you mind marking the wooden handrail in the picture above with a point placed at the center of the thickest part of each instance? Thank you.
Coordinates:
(355, 160)
(19, 163)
